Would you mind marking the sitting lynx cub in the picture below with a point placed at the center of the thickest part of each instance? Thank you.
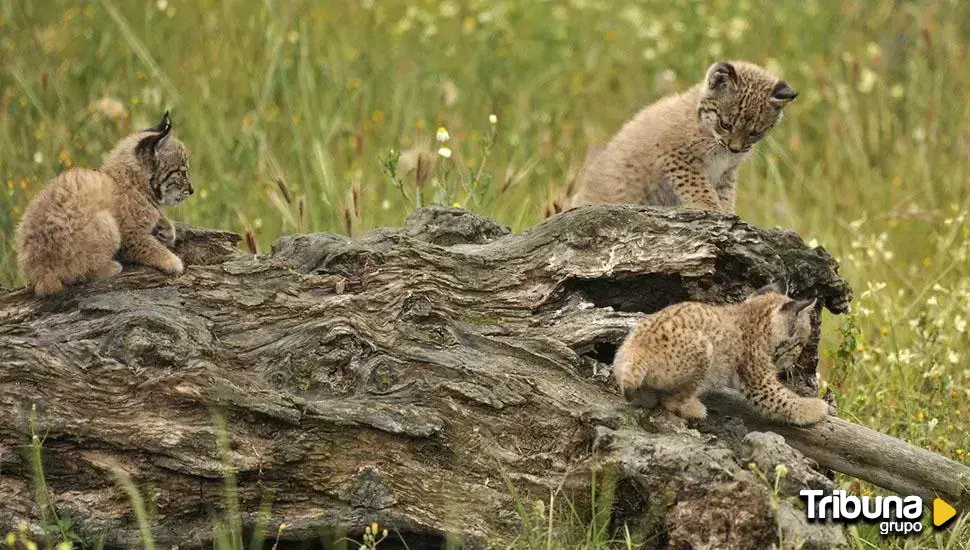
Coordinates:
(691, 348)
(684, 150)
(82, 219)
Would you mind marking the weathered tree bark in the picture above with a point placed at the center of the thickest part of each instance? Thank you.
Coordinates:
(409, 376)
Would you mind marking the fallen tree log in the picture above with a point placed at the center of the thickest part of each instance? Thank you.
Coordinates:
(411, 377)
(858, 451)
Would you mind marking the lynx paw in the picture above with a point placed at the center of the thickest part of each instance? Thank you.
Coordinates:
(809, 411)
(164, 231)
(48, 286)
(690, 408)
(107, 270)
(172, 265)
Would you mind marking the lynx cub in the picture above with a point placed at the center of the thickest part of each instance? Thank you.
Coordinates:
(82, 219)
(690, 348)
(684, 149)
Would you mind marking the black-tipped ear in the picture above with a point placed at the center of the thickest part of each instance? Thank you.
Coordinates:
(164, 126)
(782, 94)
(721, 75)
(778, 286)
(147, 149)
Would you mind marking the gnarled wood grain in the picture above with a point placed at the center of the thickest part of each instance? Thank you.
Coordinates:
(401, 377)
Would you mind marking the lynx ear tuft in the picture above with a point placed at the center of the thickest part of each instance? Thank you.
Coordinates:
(147, 149)
(721, 76)
(163, 126)
(782, 94)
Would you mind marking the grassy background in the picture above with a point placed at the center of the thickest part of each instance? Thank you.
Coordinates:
(289, 108)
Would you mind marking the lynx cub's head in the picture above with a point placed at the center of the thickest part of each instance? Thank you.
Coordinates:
(791, 323)
(740, 102)
(153, 158)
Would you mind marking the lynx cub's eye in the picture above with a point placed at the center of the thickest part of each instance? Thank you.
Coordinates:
(726, 126)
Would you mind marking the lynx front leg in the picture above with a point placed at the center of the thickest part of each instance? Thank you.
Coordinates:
(164, 231)
(694, 189)
(147, 250)
(726, 191)
(763, 390)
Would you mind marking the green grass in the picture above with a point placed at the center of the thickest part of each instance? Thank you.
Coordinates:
(290, 107)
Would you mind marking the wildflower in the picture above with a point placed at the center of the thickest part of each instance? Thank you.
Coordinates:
(162, 5)
(932, 423)
(781, 470)
(813, 243)
(445, 152)
(492, 119)
(960, 324)
(931, 301)
(442, 135)
(953, 357)
(867, 81)
(110, 107)
(38, 157)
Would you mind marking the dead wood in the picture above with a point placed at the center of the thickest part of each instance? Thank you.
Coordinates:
(409, 376)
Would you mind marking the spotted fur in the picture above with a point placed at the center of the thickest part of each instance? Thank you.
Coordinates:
(691, 348)
(684, 150)
(83, 221)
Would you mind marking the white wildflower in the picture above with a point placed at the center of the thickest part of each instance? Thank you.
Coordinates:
(445, 152)
(442, 135)
(867, 81)
(38, 157)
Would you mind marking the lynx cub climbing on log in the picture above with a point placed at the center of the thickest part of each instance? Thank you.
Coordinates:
(684, 150)
(691, 348)
(80, 220)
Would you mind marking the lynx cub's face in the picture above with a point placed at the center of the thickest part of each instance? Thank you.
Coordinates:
(740, 102)
(791, 327)
(167, 162)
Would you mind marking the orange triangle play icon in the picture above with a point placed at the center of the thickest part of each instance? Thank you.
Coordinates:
(942, 512)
